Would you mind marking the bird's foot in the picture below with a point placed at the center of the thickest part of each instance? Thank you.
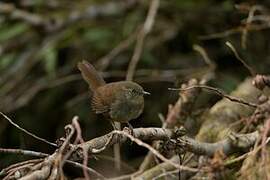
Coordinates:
(129, 129)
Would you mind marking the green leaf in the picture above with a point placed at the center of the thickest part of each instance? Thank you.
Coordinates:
(101, 38)
(6, 60)
(50, 60)
(10, 31)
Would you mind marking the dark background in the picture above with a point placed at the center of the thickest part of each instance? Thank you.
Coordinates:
(41, 88)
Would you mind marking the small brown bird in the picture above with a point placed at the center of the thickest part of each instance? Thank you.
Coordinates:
(121, 101)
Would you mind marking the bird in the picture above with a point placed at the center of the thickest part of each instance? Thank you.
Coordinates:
(120, 101)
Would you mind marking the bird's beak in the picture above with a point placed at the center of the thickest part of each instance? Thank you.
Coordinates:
(146, 93)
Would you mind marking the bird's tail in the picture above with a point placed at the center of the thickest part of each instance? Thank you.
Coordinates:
(90, 75)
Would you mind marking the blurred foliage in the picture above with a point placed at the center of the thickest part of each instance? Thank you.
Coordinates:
(41, 42)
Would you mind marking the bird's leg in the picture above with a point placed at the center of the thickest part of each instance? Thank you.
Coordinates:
(130, 127)
(116, 147)
(113, 125)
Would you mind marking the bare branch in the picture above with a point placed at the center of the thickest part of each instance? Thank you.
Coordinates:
(251, 71)
(23, 152)
(205, 56)
(233, 143)
(27, 132)
(155, 152)
(147, 27)
(219, 92)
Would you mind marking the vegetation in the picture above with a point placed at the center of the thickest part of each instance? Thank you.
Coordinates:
(205, 63)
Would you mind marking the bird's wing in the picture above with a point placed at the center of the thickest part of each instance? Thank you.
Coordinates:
(98, 105)
(104, 97)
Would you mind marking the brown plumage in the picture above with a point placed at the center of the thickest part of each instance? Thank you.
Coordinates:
(90, 75)
(120, 101)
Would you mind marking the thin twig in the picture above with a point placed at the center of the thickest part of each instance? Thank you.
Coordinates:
(155, 152)
(147, 27)
(19, 165)
(205, 56)
(251, 71)
(79, 138)
(252, 27)
(249, 20)
(27, 132)
(62, 155)
(23, 152)
(219, 92)
(40, 154)
(242, 157)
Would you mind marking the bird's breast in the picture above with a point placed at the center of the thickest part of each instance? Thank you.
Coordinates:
(123, 110)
